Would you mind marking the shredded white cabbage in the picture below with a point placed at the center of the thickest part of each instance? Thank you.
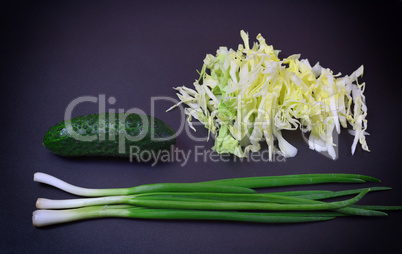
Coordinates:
(243, 97)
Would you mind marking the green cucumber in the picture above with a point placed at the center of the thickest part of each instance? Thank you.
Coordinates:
(109, 134)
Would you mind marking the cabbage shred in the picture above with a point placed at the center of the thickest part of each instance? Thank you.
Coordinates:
(250, 95)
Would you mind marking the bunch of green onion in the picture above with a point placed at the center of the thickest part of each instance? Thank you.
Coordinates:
(232, 199)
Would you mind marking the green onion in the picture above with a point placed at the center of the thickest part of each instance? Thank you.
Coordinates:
(42, 218)
(175, 196)
(195, 197)
(86, 192)
(225, 199)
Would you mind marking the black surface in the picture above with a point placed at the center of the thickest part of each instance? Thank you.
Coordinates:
(131, 50)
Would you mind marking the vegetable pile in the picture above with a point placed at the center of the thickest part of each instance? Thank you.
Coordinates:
(249, 95)
(228, 199)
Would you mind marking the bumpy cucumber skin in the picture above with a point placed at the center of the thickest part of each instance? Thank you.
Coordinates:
(59, 141)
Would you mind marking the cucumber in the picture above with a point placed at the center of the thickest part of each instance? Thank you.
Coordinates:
(109, 134)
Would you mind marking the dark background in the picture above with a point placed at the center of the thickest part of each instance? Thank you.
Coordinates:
(53, 53)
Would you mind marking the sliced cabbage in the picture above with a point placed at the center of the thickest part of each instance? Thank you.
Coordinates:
(243, 97)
